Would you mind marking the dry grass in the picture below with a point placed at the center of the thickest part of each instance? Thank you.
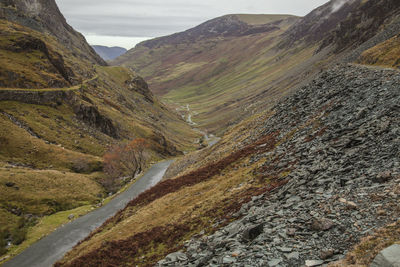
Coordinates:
(386, 54)
(365, 252)
(196, 201)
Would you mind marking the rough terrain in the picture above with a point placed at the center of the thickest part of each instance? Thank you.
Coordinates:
(342, 171)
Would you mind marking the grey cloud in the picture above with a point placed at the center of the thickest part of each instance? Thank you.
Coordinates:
(138, 18)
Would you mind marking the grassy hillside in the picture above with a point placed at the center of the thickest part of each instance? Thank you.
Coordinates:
(224, 79)
(279, 154)
(59, 114)
(385, 54)
(238, 73)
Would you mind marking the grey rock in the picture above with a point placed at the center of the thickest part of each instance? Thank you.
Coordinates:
(228, 260)
(389, 257)
(274, 262)
(313, 263)
(253, 232)
(284, 249)
(293, 255)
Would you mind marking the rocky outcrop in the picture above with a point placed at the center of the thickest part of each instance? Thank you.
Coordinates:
(339, 158)
(91, 116)
(44, 16)
(319, 23)
(31, 43)
(366, 20)
(138, 84)
(37, 97)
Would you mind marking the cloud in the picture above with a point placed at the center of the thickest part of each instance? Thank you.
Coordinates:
(338, 4)
(154, 18)
(138, 18)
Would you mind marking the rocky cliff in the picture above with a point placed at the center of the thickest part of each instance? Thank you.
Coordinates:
(44, 16)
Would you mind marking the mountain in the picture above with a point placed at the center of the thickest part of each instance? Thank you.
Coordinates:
(309, 171)
(230, 71)
(207, 66)
(109, 53)
(44, 16)
(61, 109)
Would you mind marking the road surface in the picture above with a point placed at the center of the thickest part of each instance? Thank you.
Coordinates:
(52, 248)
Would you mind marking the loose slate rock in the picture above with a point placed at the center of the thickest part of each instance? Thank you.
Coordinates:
(253, 232)
(313, 263)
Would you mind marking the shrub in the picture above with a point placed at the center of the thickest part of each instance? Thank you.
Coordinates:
(124, 160)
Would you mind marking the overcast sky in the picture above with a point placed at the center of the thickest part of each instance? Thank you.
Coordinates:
(127, 22)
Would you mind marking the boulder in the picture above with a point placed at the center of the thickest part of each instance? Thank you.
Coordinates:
(389, 257)
(253, 232)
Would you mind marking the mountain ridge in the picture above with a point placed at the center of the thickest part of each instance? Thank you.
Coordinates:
(109, 53)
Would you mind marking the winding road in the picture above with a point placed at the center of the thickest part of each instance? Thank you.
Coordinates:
(52, 248)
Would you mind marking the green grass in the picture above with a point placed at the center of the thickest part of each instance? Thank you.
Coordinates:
(31, 68)
(45, 226)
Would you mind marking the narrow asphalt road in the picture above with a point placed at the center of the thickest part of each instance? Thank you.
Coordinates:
(48, 250)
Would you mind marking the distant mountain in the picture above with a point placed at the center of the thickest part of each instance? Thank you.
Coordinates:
(109, 53)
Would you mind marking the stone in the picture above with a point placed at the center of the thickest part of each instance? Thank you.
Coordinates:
(389, 257)
(293, 255)
(284, 249)
(174, 257)
(71, 217)
(321, 224)
(9, 184)
(253, 232)
(313, 263)
(228, 260)
(349, 204)
(274, 262)
(381, 212)
(327, 254)
(382, 177)
(291, 231)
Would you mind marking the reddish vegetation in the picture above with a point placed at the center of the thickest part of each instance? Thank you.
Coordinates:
(114, 253)
(125, 159)
(202, 174)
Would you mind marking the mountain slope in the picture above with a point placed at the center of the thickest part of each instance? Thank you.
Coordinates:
(61, 110)
(207, 67)
(322, 145)
(44, 16)
(109, 53)
(226, 72)
(296, 184)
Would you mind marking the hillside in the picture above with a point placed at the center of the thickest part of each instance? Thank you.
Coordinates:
(208, 66)
(228, 70)
(61, 109)
(311, 171)
(109, 53)
(302, 175)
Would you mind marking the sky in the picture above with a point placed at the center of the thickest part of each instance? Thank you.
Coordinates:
(127, 22)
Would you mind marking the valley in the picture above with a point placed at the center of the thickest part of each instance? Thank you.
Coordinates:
(251, 140)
